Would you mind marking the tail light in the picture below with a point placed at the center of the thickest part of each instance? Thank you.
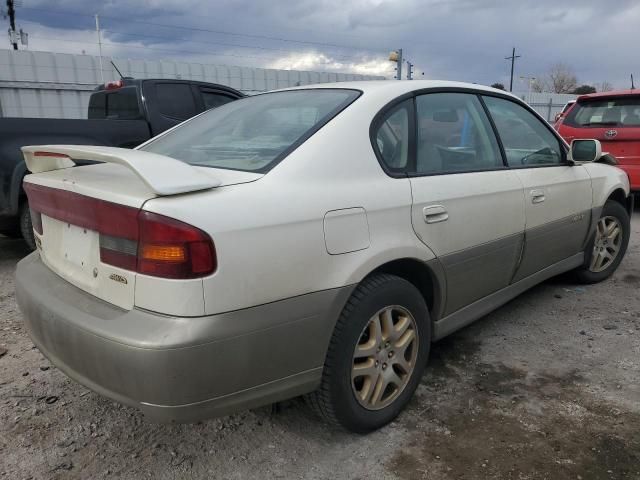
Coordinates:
(114, 85)
(130, 238)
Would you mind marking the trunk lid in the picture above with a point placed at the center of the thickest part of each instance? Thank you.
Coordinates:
(84, 210)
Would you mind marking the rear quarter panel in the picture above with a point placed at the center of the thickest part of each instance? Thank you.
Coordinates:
(269, 233)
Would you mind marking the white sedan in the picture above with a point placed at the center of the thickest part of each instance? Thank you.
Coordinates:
(311, 241)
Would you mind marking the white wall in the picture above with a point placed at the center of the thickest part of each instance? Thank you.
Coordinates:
(58, 85)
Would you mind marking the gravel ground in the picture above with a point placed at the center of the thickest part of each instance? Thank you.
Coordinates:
(546, 387)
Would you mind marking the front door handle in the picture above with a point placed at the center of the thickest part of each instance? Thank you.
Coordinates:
(435, 214)
(537, 196)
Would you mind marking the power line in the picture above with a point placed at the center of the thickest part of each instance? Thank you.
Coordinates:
(200, 29)
(128, 45)
(222, 44)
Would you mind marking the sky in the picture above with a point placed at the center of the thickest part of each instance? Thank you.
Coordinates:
(465, 40)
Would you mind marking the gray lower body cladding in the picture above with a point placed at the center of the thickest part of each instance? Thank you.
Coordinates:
(179, 369)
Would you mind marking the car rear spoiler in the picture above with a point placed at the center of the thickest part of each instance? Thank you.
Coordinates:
(163, 175)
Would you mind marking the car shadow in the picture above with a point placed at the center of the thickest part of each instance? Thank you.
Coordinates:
(13, 249)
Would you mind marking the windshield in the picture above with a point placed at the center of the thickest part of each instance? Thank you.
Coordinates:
(614, 112)
(254, 133)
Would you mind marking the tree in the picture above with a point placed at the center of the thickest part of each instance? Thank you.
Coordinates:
(538, 85)
(561, 78)
(499, 86)
(584, 89)
(603, 87)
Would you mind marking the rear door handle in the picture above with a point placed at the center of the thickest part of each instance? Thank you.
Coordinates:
(537, 196)
(435, 214)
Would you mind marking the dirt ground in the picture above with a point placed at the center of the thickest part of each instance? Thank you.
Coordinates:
(546, 387)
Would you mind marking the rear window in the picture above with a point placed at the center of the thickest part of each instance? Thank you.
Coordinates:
(609, 112)
(254, 133)
(121, 104)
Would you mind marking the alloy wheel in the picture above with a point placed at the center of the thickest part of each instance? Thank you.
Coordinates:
(607, 243)
(384, 357)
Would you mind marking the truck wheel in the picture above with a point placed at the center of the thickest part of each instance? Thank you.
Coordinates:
(608, 246)
(376, 356)
(9, 227)
(26, 227)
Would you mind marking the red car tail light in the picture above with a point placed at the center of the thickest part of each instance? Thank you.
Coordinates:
(172, 249)
(130, 238)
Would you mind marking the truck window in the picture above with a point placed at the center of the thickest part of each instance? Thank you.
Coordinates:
(214, 99)
(98, 105)
(175, 100)
(121, 104)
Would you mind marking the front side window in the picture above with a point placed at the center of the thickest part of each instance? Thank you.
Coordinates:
(252, 134)
(526, 140)
(392, 136)
(613, 112)
(454, 135)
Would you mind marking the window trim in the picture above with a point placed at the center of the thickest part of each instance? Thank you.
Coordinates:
(413, 132)
(377, 122)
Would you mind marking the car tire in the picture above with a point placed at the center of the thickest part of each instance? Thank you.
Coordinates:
(26, 227)
(384, 314)
(606, 249)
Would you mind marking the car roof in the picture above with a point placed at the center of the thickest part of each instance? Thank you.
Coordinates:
(396, 87)
(612, 93)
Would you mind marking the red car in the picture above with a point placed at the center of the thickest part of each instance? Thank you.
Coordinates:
(614, 119)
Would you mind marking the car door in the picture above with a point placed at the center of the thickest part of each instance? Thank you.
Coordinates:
(557, 194)
(468, 206)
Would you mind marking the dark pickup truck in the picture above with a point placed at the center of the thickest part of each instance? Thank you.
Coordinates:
(121, 114)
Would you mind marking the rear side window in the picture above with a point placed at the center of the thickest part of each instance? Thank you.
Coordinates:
(175, 100)
(392, 136)
(254, 133)
(214, 99)
(612, 112)
(121, 104)
(454, 135)
(526, 140)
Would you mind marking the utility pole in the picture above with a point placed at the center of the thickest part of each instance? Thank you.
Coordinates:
(513, 60)
(99, 47)
(409, 70)
(11, 11)
(396, 56)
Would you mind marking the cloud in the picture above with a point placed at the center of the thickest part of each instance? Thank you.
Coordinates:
(320, 61)
(448, 39)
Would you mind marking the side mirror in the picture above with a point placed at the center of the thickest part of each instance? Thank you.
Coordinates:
(585, 150)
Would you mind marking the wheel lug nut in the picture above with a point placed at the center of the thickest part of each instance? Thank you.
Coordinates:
(377, 363)
(390, 354)
(384, 366)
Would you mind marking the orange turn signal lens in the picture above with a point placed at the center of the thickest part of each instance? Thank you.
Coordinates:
(164, 253)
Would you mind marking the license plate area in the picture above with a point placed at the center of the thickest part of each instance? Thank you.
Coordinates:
(73, 253)
(77, 243)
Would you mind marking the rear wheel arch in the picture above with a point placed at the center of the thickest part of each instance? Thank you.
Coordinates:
(422, 276)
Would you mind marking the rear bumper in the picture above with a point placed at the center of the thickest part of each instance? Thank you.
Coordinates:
(179, 369)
